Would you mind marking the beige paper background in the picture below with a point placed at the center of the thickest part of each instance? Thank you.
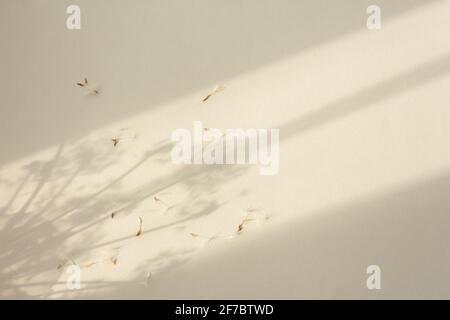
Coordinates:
(364, 123)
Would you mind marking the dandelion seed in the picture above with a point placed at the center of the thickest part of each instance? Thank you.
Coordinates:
(206, 98)
(156, 199)
(196, 235)
(166, 207)
(89, 264)
(85, 84)
(115, 141)
(240, 226)
(214, 91)
(62, 264)
(207, 240)
(204, 240)
(139, 231)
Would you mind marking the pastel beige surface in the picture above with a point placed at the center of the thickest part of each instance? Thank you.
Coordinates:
(364, 119)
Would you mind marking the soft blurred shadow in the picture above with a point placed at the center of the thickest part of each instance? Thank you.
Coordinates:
(404, 231)
(397, 84)
(33, 241)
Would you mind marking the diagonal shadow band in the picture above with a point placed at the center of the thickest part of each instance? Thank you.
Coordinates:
(438, 67)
